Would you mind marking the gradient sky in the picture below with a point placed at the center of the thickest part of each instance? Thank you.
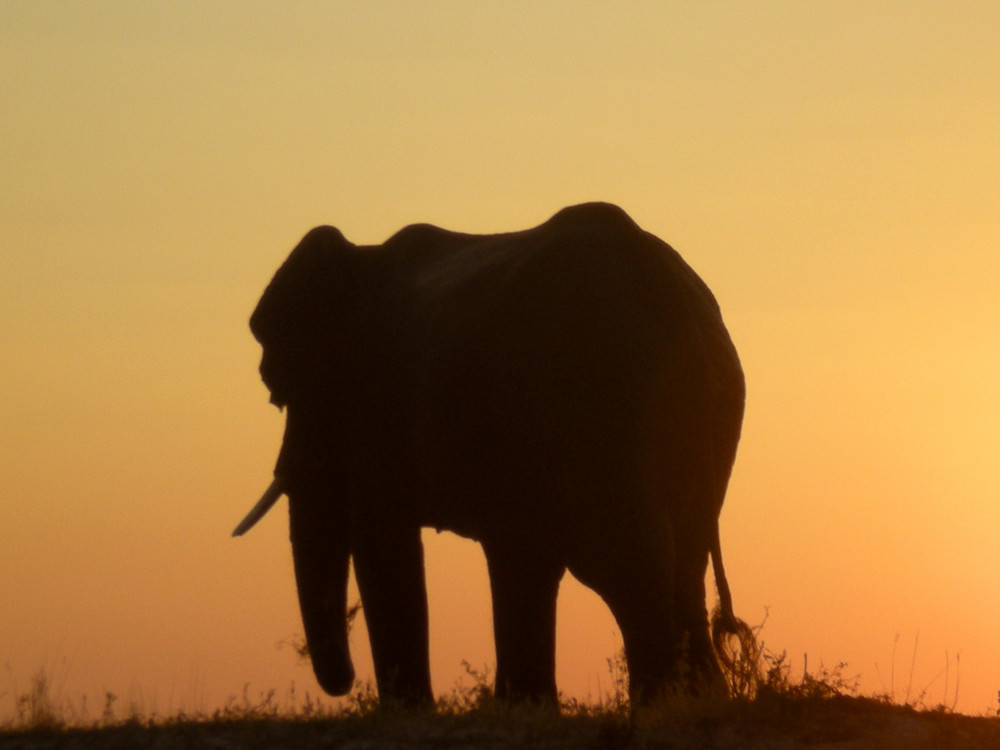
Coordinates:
(831, 169)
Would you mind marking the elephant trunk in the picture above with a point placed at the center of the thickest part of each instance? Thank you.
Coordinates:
(322, 551)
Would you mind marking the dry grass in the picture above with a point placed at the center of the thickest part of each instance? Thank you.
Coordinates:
(770, 705)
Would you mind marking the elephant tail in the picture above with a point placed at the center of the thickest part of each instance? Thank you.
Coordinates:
(740, 662)
(725, 618)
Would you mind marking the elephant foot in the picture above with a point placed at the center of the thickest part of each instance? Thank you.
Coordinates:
(334, 673)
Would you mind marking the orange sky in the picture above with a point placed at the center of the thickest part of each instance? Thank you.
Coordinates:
(832, 170)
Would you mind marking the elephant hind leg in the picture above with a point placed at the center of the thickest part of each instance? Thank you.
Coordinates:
(631, 570)
(692, 613)
(524, 586)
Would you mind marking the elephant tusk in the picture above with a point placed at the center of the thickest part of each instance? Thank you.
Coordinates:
(266, 502)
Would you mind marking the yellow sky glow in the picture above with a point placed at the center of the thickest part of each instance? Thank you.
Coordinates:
(831, 169)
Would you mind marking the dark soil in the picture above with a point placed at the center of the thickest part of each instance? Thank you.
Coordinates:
(839, 723)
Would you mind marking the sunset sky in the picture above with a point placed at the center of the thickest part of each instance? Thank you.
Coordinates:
(831, 169)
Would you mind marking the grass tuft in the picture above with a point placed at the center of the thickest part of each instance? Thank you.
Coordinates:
(768, 702)
(36, 706)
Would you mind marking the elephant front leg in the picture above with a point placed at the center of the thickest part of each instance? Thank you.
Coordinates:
(389, 567)
(524, 586)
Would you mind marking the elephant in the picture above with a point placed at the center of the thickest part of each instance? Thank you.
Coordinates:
(568, 396)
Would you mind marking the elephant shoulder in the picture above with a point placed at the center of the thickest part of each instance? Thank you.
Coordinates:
(429, 260)
(424, 240)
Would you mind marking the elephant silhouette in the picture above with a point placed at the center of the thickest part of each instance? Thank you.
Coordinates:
(567, 395)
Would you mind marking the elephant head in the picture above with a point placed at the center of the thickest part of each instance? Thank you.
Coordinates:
(304, 316)
(296, 321)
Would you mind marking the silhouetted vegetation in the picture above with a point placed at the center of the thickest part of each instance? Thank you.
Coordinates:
(770, 703)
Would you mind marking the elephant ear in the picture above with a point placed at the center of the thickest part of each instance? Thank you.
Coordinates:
(298, 315)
